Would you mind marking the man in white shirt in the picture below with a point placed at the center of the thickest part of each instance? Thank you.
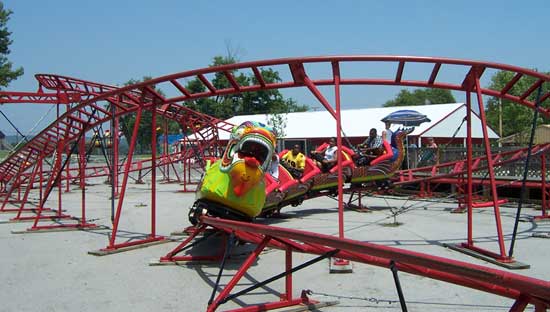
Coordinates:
(330, 156)
(274, 166)
(389, 133)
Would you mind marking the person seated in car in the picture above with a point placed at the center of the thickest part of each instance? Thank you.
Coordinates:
(294, 161)
(370, 148)
(273, 169)
(327, 157)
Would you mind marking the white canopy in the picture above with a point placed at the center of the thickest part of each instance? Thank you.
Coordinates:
(445, 120)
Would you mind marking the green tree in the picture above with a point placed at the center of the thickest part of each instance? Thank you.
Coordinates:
(515, 117)
(143, 139)
(257, 102)
(421, 97)
(7, 73)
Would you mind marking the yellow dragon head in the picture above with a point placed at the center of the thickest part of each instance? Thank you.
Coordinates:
(248, 155)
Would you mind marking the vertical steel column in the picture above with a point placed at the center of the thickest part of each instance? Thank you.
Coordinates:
(67, 151)
(336, 74)
(125, 177)
(82, 174)
(469, 183)
(490, 168)
(544, 190)
(67, 170)
(19, 188)
(56, 171)
(153, 169)
(41, 178)
(165, 150)
(59, 184)
(184, 167)
(288, 277)
(58, 154)
(114, 146)
(114, 163)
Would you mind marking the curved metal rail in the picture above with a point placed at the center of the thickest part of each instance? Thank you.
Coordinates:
(525, 290)
(128, 99)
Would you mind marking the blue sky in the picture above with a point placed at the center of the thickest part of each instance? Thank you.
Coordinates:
(114, 41)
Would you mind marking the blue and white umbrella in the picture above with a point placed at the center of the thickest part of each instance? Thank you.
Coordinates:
(406, 117)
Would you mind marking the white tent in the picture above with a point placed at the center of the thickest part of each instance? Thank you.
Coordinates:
(445, 120)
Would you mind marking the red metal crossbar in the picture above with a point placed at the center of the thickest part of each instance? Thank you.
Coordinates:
(72, 125)
(523, 289)
(143, 96)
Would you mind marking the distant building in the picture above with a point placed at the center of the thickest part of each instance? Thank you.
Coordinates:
(542, 135)
(447, 125)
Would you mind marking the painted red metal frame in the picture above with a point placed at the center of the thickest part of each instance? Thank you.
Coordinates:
(11, 97)
(186, 117)
(142, 95)
(525, 290)
(544, 191)
(454, 172)
(132, 95)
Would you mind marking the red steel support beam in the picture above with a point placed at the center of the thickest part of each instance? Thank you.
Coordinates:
(12, 97)
(544, 191)
(125, 179)
(503, 256)
(153, 171)
(469, 168)
(240, 273)
(56, 170)
(35, 170)
(82, 177)
(336, 74)
(115, 151)
(488, 279)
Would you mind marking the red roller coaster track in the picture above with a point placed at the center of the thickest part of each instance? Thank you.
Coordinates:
(142, 96)
(524, 289)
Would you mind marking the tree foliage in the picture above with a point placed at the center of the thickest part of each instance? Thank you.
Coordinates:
(421, 97)
(515, 117)
(143, 139)
(7, 73)
(278, 123)
(269, 102)
(257, 102)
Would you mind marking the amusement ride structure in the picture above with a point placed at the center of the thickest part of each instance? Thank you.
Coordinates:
(44, 162)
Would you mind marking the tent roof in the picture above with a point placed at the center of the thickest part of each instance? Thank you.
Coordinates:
(445, 119)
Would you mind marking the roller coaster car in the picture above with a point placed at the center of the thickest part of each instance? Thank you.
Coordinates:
(236, 187)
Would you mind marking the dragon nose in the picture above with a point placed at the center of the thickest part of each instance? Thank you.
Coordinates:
(252, 162)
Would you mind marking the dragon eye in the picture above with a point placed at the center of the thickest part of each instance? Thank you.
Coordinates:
(228, 154)
(231, 151)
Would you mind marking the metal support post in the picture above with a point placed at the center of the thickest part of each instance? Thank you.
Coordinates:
(125, 177)
(544, 190)
(82, 175)
(503, 256)
(114, 146)
(469, 183)
(240, 273)
(153, 170)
